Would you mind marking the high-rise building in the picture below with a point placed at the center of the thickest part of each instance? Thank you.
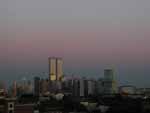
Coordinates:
(14, 89)
(81, 84)
(109, 74)
(37, 86)
(100, 86)
(76, 88)
(44, 86)
(110, 83)
(2, 89)
(91, 87)
(67, 86)
(28, 88)
(85, 87)
(55, 69)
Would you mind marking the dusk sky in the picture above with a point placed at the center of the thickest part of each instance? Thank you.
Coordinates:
(88, 34)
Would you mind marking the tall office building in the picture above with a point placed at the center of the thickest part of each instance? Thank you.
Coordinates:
(109, 74)
(81, 84)
(37, 86)
(91, 87)
(110, 83)
(44, 86)
(55, 69)
(76, 87)
(59, 68)
(14, 88)
(100, 86)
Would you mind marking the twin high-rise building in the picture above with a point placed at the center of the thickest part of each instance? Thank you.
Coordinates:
(55, 69)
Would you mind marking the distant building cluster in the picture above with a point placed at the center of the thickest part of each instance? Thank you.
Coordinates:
(75, 86)
(58, 83)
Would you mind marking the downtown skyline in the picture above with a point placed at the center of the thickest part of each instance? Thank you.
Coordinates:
(89, 36)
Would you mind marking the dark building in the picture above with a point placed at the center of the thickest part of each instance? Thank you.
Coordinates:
(37, 86)
(86, 88)
(44, 86)
(110, 83)
(7, 105)
(76, 88)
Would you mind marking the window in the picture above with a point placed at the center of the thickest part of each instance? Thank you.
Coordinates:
(10, 105)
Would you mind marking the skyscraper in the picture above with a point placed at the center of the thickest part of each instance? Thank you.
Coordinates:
(59, 68)
(55, 69)
(110, 83)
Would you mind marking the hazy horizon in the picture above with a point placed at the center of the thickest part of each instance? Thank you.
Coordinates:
(88, 35)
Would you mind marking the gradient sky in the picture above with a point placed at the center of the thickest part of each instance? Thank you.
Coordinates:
(89, 34)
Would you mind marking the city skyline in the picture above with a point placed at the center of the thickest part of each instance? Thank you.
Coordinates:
(88, 35)
(28, 76)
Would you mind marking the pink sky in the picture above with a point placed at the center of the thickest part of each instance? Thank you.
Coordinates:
(108, 45)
